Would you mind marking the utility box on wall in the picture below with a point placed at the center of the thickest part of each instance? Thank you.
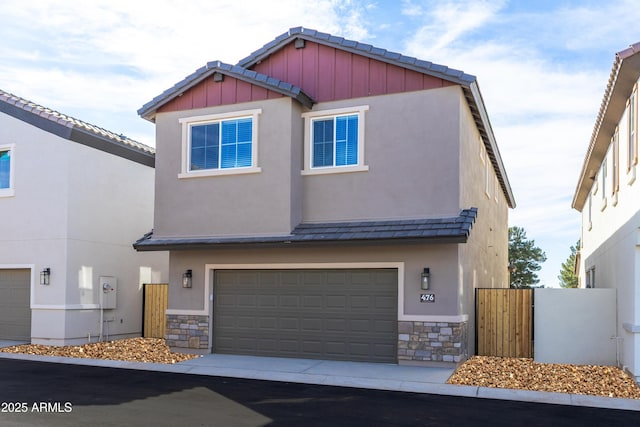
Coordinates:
(108, 292)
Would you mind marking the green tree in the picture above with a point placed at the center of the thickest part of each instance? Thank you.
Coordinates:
(567, 277)
(524, 259)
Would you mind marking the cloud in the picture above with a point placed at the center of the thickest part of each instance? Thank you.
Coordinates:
(100, 60)
(445, 22)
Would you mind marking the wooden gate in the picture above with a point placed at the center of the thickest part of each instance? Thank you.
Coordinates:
(504, 322)
(155, 302)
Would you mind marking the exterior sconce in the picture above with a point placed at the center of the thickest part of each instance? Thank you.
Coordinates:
(186, 279)
(425, 279)
(45, 275)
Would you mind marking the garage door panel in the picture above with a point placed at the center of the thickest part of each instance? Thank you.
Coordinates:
(312, 325)
(290, 301)
(287, 324)
(15, 310)
(323, 314)
(312, 301)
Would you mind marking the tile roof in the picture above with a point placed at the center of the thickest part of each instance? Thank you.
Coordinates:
(428, 230)
(467, 82)
(624, 74)
(73, 129)
(234, 71)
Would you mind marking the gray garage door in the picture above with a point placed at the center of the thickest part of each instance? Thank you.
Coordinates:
(15, 312)
(318, 314)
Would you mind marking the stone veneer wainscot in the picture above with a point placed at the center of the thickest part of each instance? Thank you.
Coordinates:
(187, 331)
(432, 341)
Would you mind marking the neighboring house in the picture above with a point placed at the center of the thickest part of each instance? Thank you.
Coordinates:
(608, 195)
(304, 192)
(72, 199)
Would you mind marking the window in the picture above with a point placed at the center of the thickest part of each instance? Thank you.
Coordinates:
(603, 183)
(335, 141)
(590, 278)
(590, 224)
(220, 144)
(615, 179)
(632, 143)
(6, 170)
(487, 178)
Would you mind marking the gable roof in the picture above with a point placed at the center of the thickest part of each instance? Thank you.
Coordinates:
(366, 50)
(75, 130)
(624, 74)
(149, 109)
(428, 230)
(467, 82)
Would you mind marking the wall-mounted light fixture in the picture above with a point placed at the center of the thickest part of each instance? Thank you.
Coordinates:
(186, 279)
(425, 279)
(45, 275)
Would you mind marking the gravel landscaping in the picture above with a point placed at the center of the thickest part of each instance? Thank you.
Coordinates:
(150, 350)
(525, 374)
(513, 373)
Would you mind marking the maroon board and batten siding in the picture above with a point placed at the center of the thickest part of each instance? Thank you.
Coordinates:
(344, 75)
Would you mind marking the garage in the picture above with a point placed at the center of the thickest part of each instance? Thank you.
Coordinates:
(334, 314)
(15, 311)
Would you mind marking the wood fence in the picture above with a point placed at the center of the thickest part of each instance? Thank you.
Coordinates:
(155, 303)
(504, 322)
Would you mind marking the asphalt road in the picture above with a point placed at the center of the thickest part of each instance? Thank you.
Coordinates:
(50, 394)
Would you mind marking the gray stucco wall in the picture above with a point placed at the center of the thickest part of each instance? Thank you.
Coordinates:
(413, 170)
(441, 259)
(484, 258)
(243, 204)
(411, 148)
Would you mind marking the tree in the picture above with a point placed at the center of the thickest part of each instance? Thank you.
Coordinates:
(524, 259)
(567, 277)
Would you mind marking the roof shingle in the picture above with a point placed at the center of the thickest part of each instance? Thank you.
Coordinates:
(74, 129)
(428, 230)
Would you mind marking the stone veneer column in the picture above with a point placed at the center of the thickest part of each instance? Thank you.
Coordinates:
(432, 341)
(187, 331)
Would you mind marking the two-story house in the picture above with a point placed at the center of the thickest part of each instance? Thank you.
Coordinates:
(328, 199)
(73, 197)
(608, 196)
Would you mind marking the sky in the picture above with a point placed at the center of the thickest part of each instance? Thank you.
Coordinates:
(542, 67)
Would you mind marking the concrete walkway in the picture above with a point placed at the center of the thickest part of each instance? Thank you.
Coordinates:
(346, 374)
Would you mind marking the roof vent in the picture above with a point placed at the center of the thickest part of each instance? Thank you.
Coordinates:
(218, 77)
(299, 43)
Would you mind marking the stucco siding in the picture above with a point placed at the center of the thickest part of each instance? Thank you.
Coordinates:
(77, 210)
(617, 265)
(411, 149)
(240, 204)
(442, 259)
(38, 209)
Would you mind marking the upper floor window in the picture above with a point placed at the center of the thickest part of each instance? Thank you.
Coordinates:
(603, 183)
(220, 144)
(6, 170)
(334, 141)
(615, 173)
(632, 143)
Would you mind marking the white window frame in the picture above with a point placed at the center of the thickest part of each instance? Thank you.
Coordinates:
(632, 138)
(308, 141)
(487, 179)
(603, 184)
(10, 192)
(188, 122)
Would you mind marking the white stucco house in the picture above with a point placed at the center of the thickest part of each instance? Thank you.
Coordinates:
(73, 197)
(608, 196)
